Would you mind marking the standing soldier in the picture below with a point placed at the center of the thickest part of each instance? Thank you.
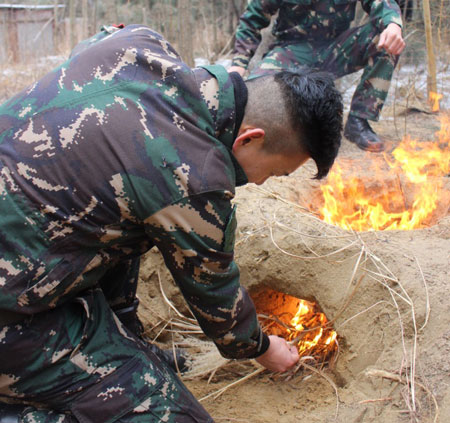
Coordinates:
(317, 33)
(122, 148)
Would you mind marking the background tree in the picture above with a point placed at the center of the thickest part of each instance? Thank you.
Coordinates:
(185, 39)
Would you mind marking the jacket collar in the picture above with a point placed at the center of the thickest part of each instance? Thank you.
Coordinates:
(232, 101)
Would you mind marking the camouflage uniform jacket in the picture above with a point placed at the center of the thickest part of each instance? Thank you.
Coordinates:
(318, 20)
(121, 148)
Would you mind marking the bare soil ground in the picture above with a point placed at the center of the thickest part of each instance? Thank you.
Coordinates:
(393, 327)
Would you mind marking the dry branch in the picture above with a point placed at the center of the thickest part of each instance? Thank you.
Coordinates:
(392, 376)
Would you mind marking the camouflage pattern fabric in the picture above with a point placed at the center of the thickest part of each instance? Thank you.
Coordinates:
(121, 148)
(349, 53)
(318, 34)
(77, 363)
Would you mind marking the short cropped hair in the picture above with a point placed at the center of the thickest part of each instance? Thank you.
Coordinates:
(302, 101)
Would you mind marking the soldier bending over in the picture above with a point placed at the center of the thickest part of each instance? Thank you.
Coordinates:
(122, 148)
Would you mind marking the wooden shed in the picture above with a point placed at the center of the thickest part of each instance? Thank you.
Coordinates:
(26, 31)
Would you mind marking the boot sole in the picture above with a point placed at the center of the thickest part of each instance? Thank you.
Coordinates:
(377, 147)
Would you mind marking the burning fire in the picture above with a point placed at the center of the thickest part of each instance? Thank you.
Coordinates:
(409, 186)
(310, 332)
(298, 321)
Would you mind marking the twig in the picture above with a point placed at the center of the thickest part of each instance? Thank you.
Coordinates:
(375, 400)
(320, 373)
(392, 376)
(410, 378)
(219, 392)
(427, 315)
(167, 300)
(306, 257)
(362, 312)
(347, 301)
(321, 237)
(227, 44)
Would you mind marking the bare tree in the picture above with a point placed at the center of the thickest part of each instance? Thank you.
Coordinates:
(85, 21)
(185, 40)
(94, 28)
(432, 82)
(214, 23)
(72, 17)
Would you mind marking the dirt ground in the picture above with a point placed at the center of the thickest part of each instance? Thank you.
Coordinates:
(393, 324)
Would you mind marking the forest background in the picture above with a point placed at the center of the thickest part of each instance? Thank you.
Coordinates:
(203, 31)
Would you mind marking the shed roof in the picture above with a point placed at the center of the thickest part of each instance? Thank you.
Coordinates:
(29, 6)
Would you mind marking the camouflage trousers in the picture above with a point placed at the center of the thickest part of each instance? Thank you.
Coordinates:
(78, 363)
(351, 51)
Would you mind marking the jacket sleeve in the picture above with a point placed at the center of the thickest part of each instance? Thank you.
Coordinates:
(196, 237)
(248, 35)
(383, 12)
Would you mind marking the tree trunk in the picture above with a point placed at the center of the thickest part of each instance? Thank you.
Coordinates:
(85, 24)
(94, 28)
(230, 14)
(214, 25)
(144, 16)
(72, 17)
(56, 31)
(431, 82)
(185, 34)
(111, 12)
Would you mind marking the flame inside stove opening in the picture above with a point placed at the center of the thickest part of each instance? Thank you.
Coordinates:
(408, 187)
(310, 332)
(298, 321)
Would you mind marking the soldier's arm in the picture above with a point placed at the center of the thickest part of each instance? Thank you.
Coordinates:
(196, 237)
(248, 36)
(387, 15)
(383, 12)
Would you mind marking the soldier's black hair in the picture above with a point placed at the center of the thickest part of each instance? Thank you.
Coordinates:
(315, 113)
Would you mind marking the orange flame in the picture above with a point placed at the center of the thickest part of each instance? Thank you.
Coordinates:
(416, 173)
(310, 331)
(434, 101)
(298, 321)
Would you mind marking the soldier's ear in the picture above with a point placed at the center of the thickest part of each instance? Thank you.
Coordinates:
(247, 135)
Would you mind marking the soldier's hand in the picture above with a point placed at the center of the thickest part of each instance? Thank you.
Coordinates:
(280, 356)
(237, 69)
(391, 39)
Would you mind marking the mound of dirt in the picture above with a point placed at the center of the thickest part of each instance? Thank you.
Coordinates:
(385, 290)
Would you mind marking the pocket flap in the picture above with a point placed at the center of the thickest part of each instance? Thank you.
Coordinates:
(118, 393)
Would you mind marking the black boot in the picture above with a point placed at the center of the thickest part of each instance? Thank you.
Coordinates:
(358, 131)
(129, 318)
